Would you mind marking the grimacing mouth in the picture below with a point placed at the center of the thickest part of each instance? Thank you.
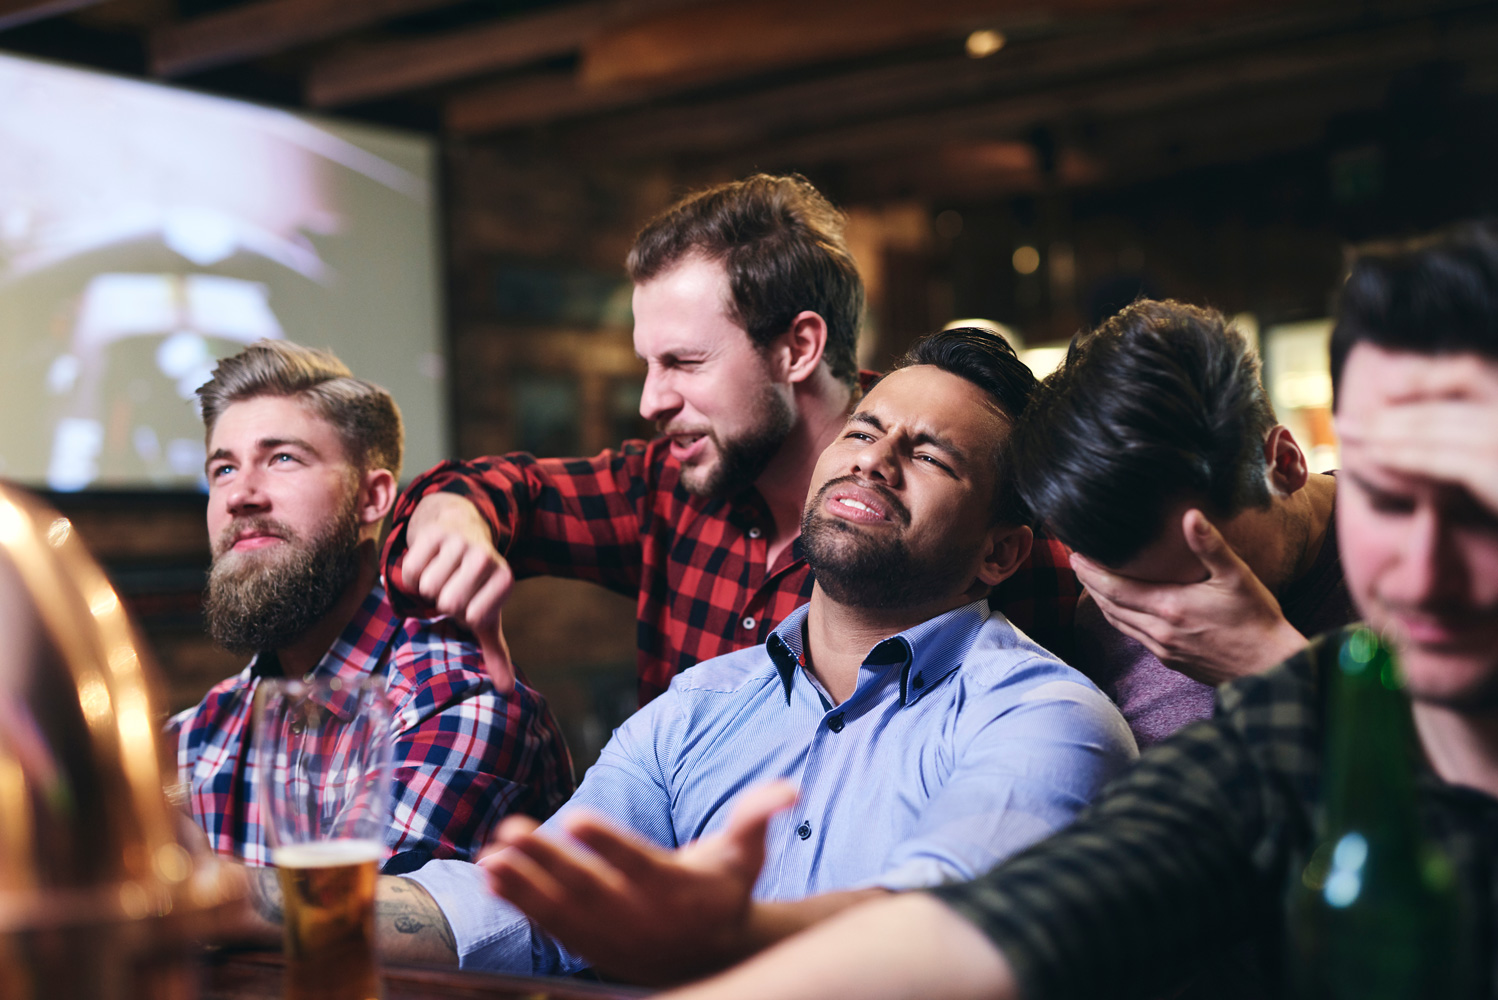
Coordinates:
(886, 504)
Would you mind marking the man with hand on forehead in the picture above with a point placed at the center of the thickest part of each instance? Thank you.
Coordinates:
(1184, 862)
(747, 304)
(920, 735)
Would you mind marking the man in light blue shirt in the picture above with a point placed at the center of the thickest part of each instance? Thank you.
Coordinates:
(928, 738)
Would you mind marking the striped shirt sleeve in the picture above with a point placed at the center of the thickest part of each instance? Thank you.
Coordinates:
(1181, 861)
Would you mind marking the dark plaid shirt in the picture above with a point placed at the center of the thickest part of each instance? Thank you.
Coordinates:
(696, 566)
(1182, 866)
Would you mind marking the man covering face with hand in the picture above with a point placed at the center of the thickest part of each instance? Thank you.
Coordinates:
(1207, 544)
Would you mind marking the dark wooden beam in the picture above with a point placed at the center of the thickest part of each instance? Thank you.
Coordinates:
(1062, 49)
(380, 70)
(731, 38)
(704, 127)
(14, 13)
(1205, 84)
(265, 27)
(535, 99)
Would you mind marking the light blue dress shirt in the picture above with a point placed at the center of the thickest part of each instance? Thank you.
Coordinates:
(962, 743)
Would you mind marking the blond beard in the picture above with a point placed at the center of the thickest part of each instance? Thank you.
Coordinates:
(254, 604)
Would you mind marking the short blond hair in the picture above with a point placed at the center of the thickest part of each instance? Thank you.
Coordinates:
(365, 415)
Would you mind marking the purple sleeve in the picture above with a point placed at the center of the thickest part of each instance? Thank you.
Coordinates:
(1154, 699)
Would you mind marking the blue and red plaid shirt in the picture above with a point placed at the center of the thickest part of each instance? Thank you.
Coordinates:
(464, 756)
(696, 566)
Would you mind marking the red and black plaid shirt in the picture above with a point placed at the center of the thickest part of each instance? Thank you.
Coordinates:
(696, 566)
(464, 756)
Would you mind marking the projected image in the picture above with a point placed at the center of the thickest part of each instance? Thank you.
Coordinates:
(146, 232)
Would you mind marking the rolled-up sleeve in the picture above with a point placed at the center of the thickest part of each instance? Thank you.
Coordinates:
(571, 517)
(627, 785)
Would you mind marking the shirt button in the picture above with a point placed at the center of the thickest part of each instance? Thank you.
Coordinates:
(804, 830)
(836, 723)
(748, 621)
(918, 682)
(754, 532)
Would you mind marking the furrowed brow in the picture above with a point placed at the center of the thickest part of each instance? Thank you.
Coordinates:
(938, 441)
(942, 444)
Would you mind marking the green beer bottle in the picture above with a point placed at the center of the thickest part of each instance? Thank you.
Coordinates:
(1373, 916)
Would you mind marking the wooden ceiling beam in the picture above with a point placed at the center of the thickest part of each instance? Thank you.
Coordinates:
(1062, 49)
(265, 27)
(732, 38)
(14, 13)
(380, 70)
(1376, 53)
(534, 100)
(884, 91)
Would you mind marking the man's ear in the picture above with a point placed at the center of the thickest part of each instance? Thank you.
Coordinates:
(1285, 463)
(1008, 546)
(377, 492)
(796, 353)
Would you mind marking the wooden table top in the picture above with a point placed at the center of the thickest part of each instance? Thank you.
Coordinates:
(256, 975)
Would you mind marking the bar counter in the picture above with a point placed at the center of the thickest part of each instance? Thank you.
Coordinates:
(256, 975)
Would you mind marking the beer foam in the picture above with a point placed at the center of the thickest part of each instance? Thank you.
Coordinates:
(327, 853)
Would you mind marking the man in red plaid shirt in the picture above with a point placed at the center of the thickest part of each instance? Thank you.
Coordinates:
(747, 304)
(302, 467)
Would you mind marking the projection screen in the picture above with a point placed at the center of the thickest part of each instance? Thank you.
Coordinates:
(147, 231)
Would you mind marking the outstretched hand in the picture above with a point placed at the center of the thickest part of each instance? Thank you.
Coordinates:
(1226, 626)
(452, 564)
(634, 910)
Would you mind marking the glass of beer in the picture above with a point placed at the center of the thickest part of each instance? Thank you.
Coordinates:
(323, 746)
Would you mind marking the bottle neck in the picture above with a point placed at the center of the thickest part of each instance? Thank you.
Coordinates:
(1371, 749)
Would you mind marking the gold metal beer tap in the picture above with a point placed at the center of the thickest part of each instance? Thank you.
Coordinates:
(97, 898)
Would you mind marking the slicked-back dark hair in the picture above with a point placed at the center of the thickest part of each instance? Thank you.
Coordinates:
(988, 361)
(783, 246)
(1162, 403)
(1437, 295)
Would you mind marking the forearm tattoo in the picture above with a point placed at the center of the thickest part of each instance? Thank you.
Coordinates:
(265, 895)
(412, 927)
(409, 924)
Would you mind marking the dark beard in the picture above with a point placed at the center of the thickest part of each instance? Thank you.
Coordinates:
(255, 606)
(742, 460)
(860, 570)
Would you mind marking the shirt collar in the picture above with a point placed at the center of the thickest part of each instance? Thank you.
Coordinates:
(929, 651)
(357, 651)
